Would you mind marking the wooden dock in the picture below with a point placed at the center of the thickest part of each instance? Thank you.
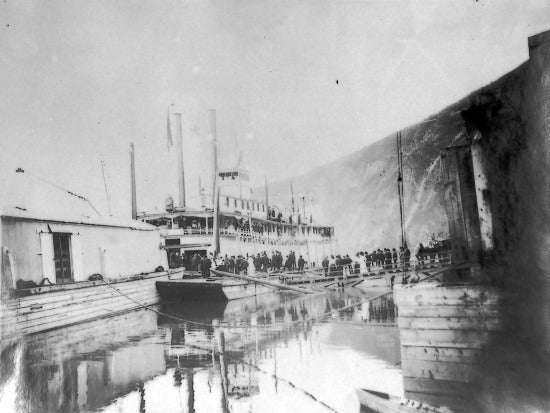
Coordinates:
(49, 307)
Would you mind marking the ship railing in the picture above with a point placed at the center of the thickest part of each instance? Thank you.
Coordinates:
(197, 231)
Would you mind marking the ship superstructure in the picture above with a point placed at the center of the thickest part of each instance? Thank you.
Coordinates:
(246, 225)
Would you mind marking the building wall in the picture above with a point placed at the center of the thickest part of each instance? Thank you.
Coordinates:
(110, 251)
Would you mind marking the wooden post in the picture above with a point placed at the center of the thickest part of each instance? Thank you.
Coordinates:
(461, 204)
(482, 196)
(223, 372)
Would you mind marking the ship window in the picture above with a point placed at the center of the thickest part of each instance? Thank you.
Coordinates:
(263, 208)
(242, 204)
(235, 203)
(247, 205)
(226, 201)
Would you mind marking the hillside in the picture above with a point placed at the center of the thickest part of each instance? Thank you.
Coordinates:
(358, 193)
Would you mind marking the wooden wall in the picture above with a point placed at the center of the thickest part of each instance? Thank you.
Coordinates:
(444, 332)
(46, 311)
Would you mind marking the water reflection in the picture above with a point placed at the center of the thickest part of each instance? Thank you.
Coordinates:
(277, 352)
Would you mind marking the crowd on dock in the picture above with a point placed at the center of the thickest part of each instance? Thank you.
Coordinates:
(362, 262)
(248, 263)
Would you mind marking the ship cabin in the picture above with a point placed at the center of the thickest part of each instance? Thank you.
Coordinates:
(246, 226)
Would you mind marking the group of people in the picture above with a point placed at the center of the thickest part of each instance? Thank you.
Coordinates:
(262, 262)
(363, 262)
(248, 263)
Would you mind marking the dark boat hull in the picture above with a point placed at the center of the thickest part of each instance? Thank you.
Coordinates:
(208, 290)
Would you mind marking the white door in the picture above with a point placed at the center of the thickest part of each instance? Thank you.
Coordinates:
(76, 257)
(48, 264)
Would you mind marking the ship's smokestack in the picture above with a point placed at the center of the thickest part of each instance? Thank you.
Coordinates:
(213, 131)
(181, 171)
(133, 178)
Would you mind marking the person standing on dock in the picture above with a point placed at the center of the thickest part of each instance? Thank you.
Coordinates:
(368, 260)
(332, 265)
(394, 257)
(301, 263)
(252, 265)
(265, 262)
(244, 267)
(257, 262)
(407, 255)
(273, 260)
(206, 263)
(292, 258)
(325, 263)
(195, 261)
(387, 259)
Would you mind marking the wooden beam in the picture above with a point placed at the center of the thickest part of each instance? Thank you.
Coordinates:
(265, 282)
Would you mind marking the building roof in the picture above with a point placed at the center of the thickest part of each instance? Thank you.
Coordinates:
(26, 197)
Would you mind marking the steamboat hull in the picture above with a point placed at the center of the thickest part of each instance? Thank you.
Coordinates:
(208, 290)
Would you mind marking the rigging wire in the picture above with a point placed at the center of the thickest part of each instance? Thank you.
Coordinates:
(21, 170)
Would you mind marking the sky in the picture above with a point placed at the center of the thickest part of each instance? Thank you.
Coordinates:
(295, 84)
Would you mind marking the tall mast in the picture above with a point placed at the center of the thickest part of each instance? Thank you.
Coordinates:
(133, 178)
(215, 187)
(400, 187)
(181, 171)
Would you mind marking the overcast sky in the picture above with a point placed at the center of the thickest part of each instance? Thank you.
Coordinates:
(295, 84)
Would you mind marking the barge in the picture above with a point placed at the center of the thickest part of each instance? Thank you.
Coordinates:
(209, 289)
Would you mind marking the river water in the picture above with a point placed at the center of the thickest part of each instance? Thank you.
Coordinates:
(273, 353)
